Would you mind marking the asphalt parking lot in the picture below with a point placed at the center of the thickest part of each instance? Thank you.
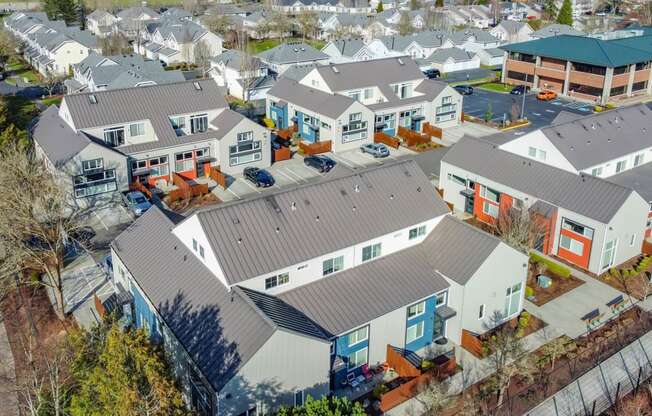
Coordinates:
(294, 172)
(540, 113)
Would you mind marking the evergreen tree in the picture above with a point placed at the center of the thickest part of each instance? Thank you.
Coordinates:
(379, 8)
(439, 3)
(66, 10)
(565, 16)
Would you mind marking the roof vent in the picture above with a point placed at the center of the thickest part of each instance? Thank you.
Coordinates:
(293, 206)
(337, 71)
(278, 230)
(391, 196)
(592, 126)
(572, 148)
(92, 98)
(239, 240)
(236, 220)
(356, 188)
(400, 61)
(588, 142)
(353, 208)
(343, 192)
(418, 189)
(616, 119)
(317, 218)
(197, 85)
(608, 140)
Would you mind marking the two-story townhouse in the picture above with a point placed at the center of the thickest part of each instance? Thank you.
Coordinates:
(477, 16)
(100, 23)
(395, 90)
(582, 68)
(351, 24)
(188, 129)
(340, 282)
(355, 49)
(98, 73)
(132, 21)
(509, 31)
(332, 6)
(555, 29)
(279, 58)
(50, 47)
(450, 60)
(243, 75)
(590, 222)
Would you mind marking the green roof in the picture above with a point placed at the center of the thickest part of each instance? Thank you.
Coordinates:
(593, 51)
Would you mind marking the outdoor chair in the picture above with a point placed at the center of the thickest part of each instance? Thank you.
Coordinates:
(368, 375)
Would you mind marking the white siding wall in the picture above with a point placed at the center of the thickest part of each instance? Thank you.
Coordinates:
(628, 224)
(537, 139)
(260, 133)
(609, 166)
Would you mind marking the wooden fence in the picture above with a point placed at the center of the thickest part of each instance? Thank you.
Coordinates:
(219, 177)
(432, 131)
(286, 134)
(137, 186)
(400, 364)
(411, 137)
(283, 153)
(380, 137)
(185, 190)
(309, 149)
(472, 344)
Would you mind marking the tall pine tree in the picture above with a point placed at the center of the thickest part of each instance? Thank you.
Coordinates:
(65, 10)
(565, 16)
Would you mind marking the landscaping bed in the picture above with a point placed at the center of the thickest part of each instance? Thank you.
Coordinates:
(496, 87)
(184, 205)
(424, 147)
(631, 278)
(562, 281)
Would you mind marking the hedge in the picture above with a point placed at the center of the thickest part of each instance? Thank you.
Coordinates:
(555, 268)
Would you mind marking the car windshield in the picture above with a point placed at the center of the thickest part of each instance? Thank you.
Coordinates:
(263, 174)
(139, 200)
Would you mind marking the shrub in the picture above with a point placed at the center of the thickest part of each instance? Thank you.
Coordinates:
(553, 267)
(379, 390)
(269, 123)
(598, 109)
(529, 292)
(524, 319)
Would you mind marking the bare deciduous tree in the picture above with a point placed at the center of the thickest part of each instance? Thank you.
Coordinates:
(203, 55)
(520, 228)
(249, 65)
(434, 396)
(218, 23)
(115, 45)
(52, 81)
(39, 223)
(405, 24)
(308, 23)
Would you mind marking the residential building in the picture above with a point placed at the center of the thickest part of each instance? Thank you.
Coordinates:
(555, 29)
(281, 57)
(517, 12)
(102, 141)
(100, 23)
(333, 6)
(582, 68)
(50, 47)
(355, 49)
(509, 31)
(132, 21)
(589, 222)
(475, 16)
(450, 59)
(172, 40)
(225, 9)
(343, 23)
(244, 76)
(98, 73)
(249, 333)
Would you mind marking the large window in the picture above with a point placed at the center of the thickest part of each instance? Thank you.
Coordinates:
(114, 136)
(416, 310)
(535, 153)
(572, 245)
(637, 86)
(371, 252)
(417, 232)
(520, 76)
(333, 265)
(357, 336)
(137, 129)
(638, 159)
(577, 228)
(512, 300)
(92, 165)
(278, 280)
(94, 183)
(489, 194)
(198, 123)
(184, 162)
(246, 150)
(245, 136)
(621, 166)
(597, 171)
(414, 332)
(178, 123)
(490, 209)
(608, 254)
(355, 130)
(358, 358)
(591, 69)
(523, 57)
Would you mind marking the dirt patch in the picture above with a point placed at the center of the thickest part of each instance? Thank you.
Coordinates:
(195, 202)
(629, 278)
(424, 147)
(559, 286)
(488, 228)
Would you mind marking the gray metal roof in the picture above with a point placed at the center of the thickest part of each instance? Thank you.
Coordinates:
(586, 195)
(430, 89)
(348, 47)
(370, 73)
(226, 120)
(133, 104)
(512, 26)
(430, 161)
(59, 142)
(331, 105)
(233, 58)
(293, 52)
(566, 116)
(221, 330)
(556, 29)
(136, 12)
(261, 235)
(601, 137)
(638, 179)
(443, 54)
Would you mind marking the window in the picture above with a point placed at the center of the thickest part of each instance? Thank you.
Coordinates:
(609, 254)
(490, 209)
(457, 179)
(621, 166)
(91, 165)
(137, 129)
(246, 136)
(333, 265)
(596, 171)
(202, 153)
(512, 300)
(536, 153)
(178, 123)
(94, 183)
(441, 299)
(371, 252)
(201, 251)
(572, 245)
(490, 194)
(298, 398)
(414, 332)
(638, 159)
(417, 232)
(355, 117)
(481, 312)
(278, 280)
(577, 228)
(114, 136)
(416, 310)
(368, 93)
(183, 162)
(198, 123)
(355, 95)
(357, 336)
(358, 358)
(447, 100)
(194, 244)
(632, 240)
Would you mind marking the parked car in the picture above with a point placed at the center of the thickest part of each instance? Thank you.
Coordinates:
(375, 149)
(321, 163)
(107, 264)
(432, 73)
(464, 89)
(259, 177)
(136, 202)
(519, 90)
(546, 95)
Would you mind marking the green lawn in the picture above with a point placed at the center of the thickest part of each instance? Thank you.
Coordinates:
(21, 70)
(496, 87)
(20, 111)
(52, 101)
(258, 46)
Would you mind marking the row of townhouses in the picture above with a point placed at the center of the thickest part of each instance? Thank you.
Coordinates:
(51, 47)
(102, 141)
(587, 179)
(262, 302)
(347, 103)
(127, 22)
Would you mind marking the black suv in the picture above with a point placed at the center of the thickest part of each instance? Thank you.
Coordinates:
(464, 89)
(432, 73)
(321, 163)
(259, 177)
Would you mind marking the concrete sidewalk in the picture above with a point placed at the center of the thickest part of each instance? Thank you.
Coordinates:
(8, 395)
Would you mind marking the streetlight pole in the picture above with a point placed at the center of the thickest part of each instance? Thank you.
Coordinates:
(523, 104)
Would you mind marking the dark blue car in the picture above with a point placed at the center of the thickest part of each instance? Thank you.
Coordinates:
(259, 177)
(321, 163)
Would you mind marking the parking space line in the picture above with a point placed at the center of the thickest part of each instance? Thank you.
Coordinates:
(298, 177)
(234, 194)
(287, 176)
(351, 163)
(537, 114)
(250, 185)
(100, 220)
(373, 159)
(550, 111)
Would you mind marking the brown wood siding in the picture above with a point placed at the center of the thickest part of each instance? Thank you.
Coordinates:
(519, 66)
(584, 78)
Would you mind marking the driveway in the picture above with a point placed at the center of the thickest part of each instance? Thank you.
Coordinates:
(29, 91)
(540, 113)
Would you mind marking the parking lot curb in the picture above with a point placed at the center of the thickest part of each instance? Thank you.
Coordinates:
(518, 126)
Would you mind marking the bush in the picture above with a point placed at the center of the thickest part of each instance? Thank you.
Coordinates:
(269, 123)
(553, 267)
(529, 292)
(379, 390)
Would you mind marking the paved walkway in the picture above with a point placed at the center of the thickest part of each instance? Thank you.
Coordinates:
(453, 134)
(8, 396)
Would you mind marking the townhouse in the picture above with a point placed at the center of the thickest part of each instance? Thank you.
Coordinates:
(101, 23)
(476, 16)
(355, 49)
(243, 75)
(98, 73)
(450, 60)
(131, 21)
(332, 6)
(589, 222)
(102, 141)
(510, 31)
(555, 29)
(582, 68)
(172, 40)
(351, 24)
(281, 57)
(341, 281)
(50, 47)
